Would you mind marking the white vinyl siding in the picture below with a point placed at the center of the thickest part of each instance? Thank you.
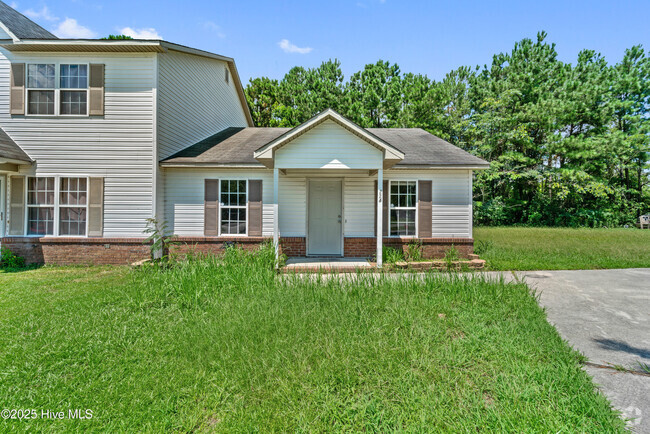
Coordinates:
(328, 146)
(452, 199)
(359, 206)
(184, 195)
(452, 208)
(194, 101)
(117, 146)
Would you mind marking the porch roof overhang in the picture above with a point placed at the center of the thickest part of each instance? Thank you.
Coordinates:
(10, 152)
(266, 154)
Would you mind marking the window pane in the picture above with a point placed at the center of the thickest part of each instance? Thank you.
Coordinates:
(402, 222)
(233, 221)
(73, 191)
(40, 102)
(74, 76)
(72, 221)
(40, 76)
(40, 221)
(40, 191)
(73, 102)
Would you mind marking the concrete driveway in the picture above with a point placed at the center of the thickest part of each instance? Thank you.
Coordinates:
(605, 314)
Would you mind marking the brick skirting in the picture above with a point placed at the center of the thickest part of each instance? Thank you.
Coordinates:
(78, 251)
(432, 248)
(120, 251)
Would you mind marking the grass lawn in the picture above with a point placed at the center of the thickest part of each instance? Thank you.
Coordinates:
(229, 346)
(520, 248)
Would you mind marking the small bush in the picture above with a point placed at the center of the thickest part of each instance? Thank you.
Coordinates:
(451, 256)
(392, 255)
(414, 250)
(10, 261)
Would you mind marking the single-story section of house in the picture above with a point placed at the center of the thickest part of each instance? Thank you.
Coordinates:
(325, 188)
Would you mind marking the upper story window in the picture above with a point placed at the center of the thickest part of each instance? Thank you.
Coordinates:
(70, 97)
(41, 81)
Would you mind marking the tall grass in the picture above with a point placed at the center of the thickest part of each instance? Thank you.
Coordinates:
(224, 344)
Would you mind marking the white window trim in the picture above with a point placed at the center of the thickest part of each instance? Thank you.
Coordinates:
(221, 206)
(416, 208)
(56, 205)
(57, 90)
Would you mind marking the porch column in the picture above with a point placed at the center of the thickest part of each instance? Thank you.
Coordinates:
(276, 215)
(380, 214)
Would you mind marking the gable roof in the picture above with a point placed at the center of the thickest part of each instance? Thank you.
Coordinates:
(266, 153)
(236, 147)
(19, 26)
(424, 149)
(10, 151)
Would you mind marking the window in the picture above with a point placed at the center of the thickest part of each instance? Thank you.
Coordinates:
(69, 98)
(403, 208)
(40, 89)
(233, 207)
(227, 74)
(40, 206)
(47, 216)
(72, 206)
(73, 100)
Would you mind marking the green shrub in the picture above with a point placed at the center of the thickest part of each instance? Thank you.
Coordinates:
(414, 250)
(392, 255)
(10, 261)
(451, 256)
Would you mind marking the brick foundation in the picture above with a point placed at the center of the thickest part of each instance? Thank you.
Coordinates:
(120, 251)
(78, 251)
(432, 248)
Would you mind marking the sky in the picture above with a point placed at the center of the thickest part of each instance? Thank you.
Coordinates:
(267, 38)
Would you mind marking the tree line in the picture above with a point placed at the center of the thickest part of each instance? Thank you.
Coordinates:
(568, 143)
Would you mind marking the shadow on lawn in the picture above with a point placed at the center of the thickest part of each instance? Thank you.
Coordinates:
(20, 269)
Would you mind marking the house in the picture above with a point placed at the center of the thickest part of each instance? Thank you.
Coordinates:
(96, 136)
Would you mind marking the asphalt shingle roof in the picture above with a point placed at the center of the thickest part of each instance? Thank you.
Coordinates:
(9, 148)
(21, 26)
(237, 145)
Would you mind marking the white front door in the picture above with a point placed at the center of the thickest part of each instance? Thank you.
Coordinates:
(3, 200)
(325, 218)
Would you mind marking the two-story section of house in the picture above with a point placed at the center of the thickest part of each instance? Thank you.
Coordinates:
(83, 124)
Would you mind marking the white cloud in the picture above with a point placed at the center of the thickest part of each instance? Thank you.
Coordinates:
(288, 47)
(44, 13)
(213, 27)
(14, 5)
(71, 29)
(145, 33)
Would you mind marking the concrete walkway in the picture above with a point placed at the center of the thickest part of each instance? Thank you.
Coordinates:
(605, 314)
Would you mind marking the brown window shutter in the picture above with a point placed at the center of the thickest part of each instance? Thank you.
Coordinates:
(96, 207)
(96, 90)
(17, 89)
(385, 204)
(255, 207)
(374, 194)
(211, 208)
(17, 206)
(424, 209)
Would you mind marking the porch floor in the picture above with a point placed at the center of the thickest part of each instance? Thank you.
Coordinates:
(331, 265)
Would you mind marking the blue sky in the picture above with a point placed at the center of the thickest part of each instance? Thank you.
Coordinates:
(430, 37)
